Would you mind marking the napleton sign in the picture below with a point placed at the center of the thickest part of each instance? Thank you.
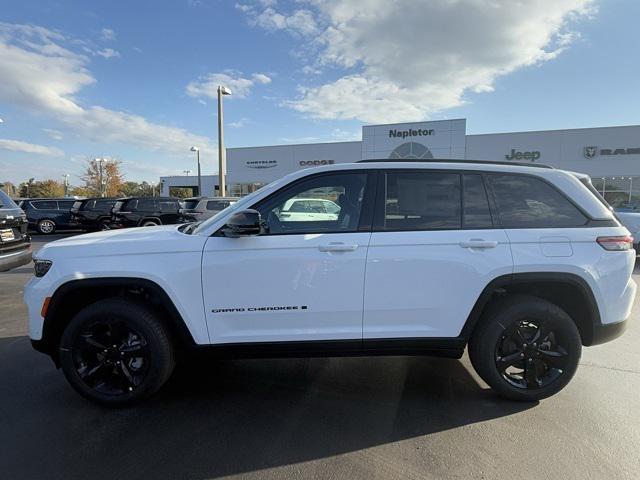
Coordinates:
(419, 132)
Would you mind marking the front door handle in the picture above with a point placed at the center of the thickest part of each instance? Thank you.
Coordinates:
(337, 247)
(479, 243)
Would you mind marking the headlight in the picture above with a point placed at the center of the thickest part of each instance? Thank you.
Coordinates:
(41, 267)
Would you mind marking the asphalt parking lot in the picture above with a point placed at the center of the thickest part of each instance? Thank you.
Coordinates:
(348, 418)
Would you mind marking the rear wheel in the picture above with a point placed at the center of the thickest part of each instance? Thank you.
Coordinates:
(526, 348)
(46, 226)
(150, 223)
(103, 224)
(116, 352)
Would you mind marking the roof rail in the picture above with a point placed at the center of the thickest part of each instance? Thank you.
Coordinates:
(443, 160)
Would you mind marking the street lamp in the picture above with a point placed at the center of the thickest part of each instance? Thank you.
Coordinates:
(186, 172)
(197, 150)
(222, 163)
(66, 183)
(100, 162)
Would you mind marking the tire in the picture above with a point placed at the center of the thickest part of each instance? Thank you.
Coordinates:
(150, 223)
(103, 225)
(525, 348)
(46, 226)
(132, 368)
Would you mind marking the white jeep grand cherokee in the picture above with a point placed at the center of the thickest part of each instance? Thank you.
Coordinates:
(523, 264)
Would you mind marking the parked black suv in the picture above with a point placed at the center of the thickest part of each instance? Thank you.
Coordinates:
(145, 212)
(15, 244)
(93, 213)
(46, 215)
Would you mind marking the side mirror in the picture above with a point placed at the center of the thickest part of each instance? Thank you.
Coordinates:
(242, 224)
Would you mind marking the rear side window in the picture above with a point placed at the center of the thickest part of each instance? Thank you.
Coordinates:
(45, 205)
(528, 202)
(169, 206)
(145, 204)
(65, 204)
(217, 205)
(422, 201)
(104, 204)
(476, 212)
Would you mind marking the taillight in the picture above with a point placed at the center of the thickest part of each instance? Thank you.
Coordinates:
(623, 242)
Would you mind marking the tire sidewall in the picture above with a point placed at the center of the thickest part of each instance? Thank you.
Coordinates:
(137, 317)
(483, 347)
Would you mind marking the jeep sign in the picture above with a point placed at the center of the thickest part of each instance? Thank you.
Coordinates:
(533, 156)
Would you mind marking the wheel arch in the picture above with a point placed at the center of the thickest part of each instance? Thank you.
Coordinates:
(155, 219)
(566, 290)
(71, 297)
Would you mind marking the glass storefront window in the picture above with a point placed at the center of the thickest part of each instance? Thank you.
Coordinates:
(619, 191)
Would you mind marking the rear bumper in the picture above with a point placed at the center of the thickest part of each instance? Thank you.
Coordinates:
(15, 259)
(607, 332)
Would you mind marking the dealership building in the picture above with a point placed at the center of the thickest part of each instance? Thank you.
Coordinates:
(610, 155)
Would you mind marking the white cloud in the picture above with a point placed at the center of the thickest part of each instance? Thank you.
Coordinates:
(107, 34)
(43, 76)
(24, 147)
(404, 60)
(243, 122)
(53, 133)
(108, 53)
(207, 85)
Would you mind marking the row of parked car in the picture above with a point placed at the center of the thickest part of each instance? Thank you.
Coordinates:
(47, 215)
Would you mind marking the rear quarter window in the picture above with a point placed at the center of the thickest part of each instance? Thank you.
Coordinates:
(528, 202)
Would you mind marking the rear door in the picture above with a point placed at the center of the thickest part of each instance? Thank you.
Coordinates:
(433, 250)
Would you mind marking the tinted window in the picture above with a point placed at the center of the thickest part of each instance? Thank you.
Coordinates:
(345, 190)
(103, 204)
(77, 204)
(217, 205)
(422, 201)
(169, 206)
(5, 201)
(65, 204)
(475, 211)
(147, 204)
(45, 205)
(190, 204)
(527, 202)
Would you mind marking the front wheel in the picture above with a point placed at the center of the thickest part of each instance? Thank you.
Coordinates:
(150, 223)
(116, 352)
(526, 348)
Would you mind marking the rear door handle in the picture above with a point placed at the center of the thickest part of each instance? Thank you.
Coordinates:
(337, 247)
(478, 243)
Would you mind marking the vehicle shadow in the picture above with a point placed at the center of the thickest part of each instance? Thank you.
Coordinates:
(216, 418)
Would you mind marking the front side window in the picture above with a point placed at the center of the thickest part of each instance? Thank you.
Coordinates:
(217, 205)
(422, 201)
(476, 212)
(528, 202)
(302, 208)
(146, 204)
(103, 204)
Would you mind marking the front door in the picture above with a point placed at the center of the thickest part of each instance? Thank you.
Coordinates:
(433, 250)
(302, 278)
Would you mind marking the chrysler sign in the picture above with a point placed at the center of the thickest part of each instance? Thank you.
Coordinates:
(262, 163)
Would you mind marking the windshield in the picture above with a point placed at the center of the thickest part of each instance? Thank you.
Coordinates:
(6, 202)
(77, 204)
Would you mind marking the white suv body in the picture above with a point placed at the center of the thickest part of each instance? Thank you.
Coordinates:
(414, 263)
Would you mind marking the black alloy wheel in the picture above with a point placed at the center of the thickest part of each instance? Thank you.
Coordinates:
(111, 357)
(530, 355)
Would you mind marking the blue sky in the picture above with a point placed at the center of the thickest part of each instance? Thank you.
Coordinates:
(135, 80)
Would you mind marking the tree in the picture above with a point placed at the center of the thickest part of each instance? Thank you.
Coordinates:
(108, 172)
(41, 189)
(8, 188)
(135, 189)
(181, 192)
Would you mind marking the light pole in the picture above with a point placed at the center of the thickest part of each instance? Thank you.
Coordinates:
(222, 164)
(100, 161)
(197, 150)
(66, 184)
(186, 172)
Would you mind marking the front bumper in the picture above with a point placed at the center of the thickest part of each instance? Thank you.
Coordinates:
(15, 259)
(606, 332)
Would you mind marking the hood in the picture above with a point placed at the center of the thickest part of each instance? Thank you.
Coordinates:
(127, 241)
